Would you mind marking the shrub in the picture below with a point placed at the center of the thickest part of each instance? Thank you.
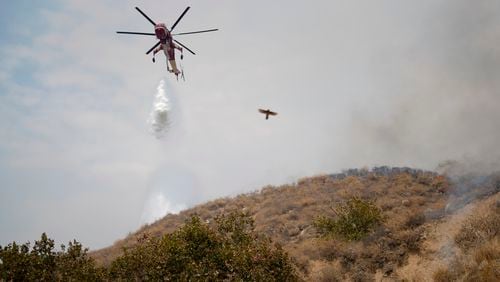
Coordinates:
(229, 251)
(353, 220)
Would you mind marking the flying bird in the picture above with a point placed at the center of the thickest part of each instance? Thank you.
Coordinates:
(267, 113)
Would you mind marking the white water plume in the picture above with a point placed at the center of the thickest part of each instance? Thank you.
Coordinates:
(159, 118)
(158, 206)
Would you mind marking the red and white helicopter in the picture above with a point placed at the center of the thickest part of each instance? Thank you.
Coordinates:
(166, 41)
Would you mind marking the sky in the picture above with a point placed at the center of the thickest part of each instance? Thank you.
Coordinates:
(355, 83)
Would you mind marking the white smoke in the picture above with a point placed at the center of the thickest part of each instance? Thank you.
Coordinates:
(159, 118)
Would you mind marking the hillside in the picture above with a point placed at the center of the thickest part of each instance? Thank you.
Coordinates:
(423, 236)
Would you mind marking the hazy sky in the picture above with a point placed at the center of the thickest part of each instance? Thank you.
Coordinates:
(355, 83)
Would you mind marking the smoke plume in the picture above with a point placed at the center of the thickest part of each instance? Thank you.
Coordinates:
(438, 96)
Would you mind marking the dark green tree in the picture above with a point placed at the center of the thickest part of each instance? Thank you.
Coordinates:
(43, 260)
(15, 262)
(230, 250)
(74, 264)
(43, 263)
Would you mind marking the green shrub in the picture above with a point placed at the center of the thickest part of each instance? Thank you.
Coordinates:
(230, 251)
(352, 221)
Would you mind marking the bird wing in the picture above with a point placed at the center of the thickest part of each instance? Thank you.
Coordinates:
(272, 113)
(262, 111)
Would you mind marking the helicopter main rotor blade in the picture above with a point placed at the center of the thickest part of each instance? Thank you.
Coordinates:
(152, 48)
(139, 33)
(193, 32)
(142, 13)
(185, 47)
(182, 15)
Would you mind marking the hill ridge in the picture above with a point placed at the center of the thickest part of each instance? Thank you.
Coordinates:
(410, 199)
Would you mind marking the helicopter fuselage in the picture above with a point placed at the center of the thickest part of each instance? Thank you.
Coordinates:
(162, 33)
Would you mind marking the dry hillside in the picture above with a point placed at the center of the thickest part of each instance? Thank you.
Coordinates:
(433, 225)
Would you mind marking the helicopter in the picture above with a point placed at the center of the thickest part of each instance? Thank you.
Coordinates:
(166, 42)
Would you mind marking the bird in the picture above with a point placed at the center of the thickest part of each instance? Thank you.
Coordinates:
(267, 113)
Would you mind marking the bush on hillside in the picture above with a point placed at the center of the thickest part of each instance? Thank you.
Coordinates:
(353, 220)
(229, 251)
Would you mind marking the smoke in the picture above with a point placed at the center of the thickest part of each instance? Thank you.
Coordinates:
(437, 95)
(160, 117)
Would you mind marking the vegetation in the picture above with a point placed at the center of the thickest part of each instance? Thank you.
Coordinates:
(435, 227)
(479, 241)
(479, 229)
(230, 250)
(43, 263)
(409, 200)
(353, 220)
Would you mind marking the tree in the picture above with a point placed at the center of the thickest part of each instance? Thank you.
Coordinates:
(43, 260)
(43, 263)
(231, 250)
(15, 262)
(74, 264)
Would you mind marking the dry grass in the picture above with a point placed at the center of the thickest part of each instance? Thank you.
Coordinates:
(444, 275)
(325, 271)
(479, 229)
(479, 240)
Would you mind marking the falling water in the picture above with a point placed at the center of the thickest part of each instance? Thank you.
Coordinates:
(159, 118)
